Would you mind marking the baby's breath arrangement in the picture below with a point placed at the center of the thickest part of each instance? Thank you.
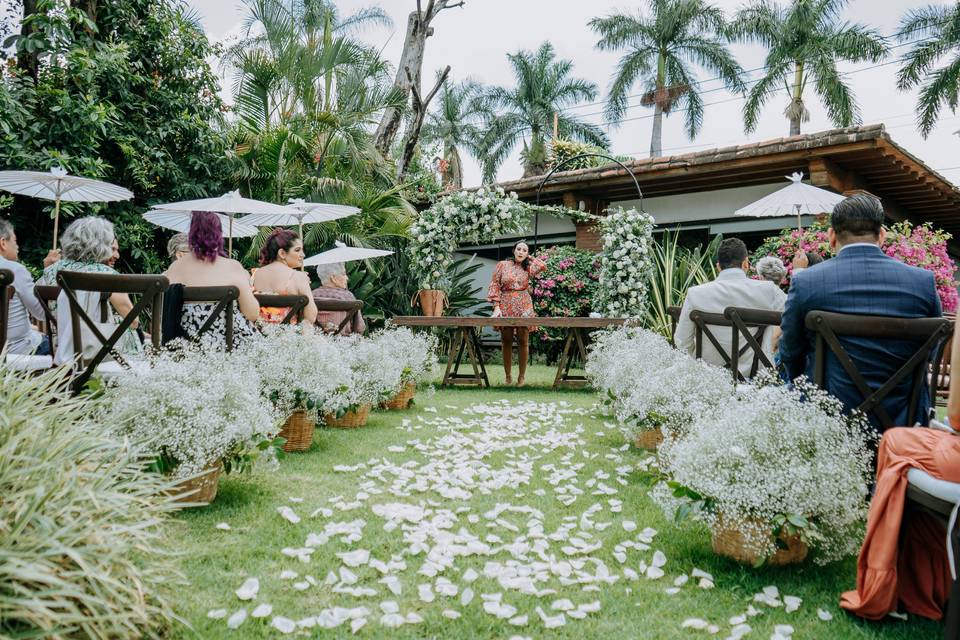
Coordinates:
(774, 460)
(625, 263)
(416, 353)
(193, 408)
(375, 375)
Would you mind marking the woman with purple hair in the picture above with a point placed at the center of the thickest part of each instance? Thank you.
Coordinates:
(206, 265)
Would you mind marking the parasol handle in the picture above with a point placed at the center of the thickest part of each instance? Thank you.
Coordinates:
(56, 222)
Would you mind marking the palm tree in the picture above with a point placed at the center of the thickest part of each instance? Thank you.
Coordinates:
(526, 112)
(938, 30)
(456, 123)
(805, 40)
(661, 52)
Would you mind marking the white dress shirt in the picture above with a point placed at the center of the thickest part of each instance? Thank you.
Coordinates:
(21, 336)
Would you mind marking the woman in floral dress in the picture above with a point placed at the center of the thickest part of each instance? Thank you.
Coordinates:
(510, 299)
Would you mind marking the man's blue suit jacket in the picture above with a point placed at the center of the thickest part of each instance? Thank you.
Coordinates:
(861, 280)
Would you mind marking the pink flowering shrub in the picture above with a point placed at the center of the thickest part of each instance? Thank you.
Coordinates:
(924, 247)
(919, 246)
(565, 288)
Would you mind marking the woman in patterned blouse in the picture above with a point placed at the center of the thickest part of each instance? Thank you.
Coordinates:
(510, 299)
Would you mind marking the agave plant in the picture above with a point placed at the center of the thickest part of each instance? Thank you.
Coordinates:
(80, 550)
(675, 270)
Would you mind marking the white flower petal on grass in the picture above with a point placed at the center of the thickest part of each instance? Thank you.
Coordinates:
(898, 615)
(739, 631)
(301, 586)
(217, 614)
(735, 620)
(248, 590)
(654, 573)
(425, 592)
(705, 584)
(356, 624)
(393, 583)
(791, 603)
(519, 621)
(826, 616)
(295, 500)
(753, 611)
(551, 622)
(357, 558)
(629, 525)
(413, 618)
(261, 611)
(347, 576)
(695, 623)
(237, 619)
(450, 614)
(283, 625)
(470, 575)
(288, 514)
(679, 581)
(392, 620)
(699, 573)
(659, 559)
(783, 630)
(630, 574)
(223, 526)
(389, 606)
(672, 591)
(466, 597)
(562, 605)
(286, 574)
(590, 607)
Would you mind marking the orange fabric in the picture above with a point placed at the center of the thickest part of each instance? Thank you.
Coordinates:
(905, 564)
(274, 315)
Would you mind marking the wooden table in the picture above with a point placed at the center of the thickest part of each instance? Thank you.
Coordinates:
(467, 342)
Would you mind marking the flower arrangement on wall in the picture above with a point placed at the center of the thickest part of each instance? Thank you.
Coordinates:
(625, 263)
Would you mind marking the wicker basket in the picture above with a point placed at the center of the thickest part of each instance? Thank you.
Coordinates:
(298, 432)
(200, 490)
(403, 398)
(649, 439)
(729, 542)
(350, 420)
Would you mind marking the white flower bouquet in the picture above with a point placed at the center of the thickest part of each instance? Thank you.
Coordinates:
(416, 352)
(625, 263)
(375, 375)
(193, 409)
(773, 465)
(463, 216)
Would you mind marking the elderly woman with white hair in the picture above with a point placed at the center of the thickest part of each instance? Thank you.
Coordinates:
(772, 268)
(333, 286)
(89, 245)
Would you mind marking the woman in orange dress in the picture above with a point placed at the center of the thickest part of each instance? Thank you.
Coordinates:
(510, 299)
(280, 261)
(903, 561)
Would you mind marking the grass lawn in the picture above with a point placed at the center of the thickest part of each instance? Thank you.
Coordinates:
(217, 562)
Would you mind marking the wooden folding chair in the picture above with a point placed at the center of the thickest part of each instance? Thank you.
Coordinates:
(6, 293)
(750, 325)
(296, 303)
(150, 289)
(224, 299)
(47, 294)
(928, 333)
(674, 313)
(351, 307)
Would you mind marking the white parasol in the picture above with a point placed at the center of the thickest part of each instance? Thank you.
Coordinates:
(343, 253)
(796, 198)
(300, 213)
(58, 186)
(230, 204)
(180, 221)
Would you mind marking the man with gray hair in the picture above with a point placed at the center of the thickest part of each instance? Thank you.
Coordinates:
(333, 286)
(22, 338)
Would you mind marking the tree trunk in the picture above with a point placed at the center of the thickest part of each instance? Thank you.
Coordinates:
(535, 161)
(656, 137)
(453, 176)
(29, 63)
(419, 114)
(796, 108)
(409, 68)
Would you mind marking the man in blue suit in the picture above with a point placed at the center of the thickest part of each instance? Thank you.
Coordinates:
(862, 280)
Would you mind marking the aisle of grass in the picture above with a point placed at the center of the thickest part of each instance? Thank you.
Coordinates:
(217, 562)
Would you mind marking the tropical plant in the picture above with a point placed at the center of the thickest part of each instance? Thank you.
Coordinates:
(525, 113)
(120, 91)
(662, 51)
(676, 269)
(80, 547)
(805, 40)
(565, 288)
(456, 123)
(935, 32)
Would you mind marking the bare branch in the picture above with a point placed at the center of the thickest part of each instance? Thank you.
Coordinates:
(436, 87)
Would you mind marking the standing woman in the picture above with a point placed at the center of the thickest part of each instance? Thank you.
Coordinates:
(510, 299)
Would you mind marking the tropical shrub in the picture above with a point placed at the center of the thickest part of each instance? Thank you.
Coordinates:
(773, 460)
(925, 247)
(193, 408)
(80, 544)
(676, 269)
(562, 150)
(566, 288)
(461, 217)
(625, 263)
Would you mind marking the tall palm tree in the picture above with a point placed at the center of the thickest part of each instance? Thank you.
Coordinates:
(805, 40)
(661, 51)
(936, 31)
(525, 113)
(456, 123)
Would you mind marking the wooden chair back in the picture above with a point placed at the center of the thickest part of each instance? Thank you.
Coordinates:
(47, 294)
(150, 290)
(351, 307)
(6, 293)
(224, 299)
(674, 313)
(928, 333)
(296, 303)
(750, 325)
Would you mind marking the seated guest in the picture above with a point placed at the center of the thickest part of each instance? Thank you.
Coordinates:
(903, 561)
(178, 246)
(861, 279)
(805, 259)
(771, 268)
(207, 266)
(22, 338)
(87, 245)
(333, 286)
(280, 259)
(732, 288)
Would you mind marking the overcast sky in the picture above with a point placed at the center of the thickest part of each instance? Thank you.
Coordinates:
(474, 40)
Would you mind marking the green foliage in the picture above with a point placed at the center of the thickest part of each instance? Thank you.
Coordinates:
(565, 288)
(456, 123)
(675, 270)
(131, 100)
(80, 548)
